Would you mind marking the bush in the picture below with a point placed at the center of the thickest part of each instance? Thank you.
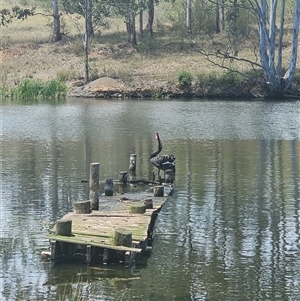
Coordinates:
(231, 78)
(185, 79)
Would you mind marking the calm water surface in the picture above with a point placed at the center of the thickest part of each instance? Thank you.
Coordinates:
(230, 232)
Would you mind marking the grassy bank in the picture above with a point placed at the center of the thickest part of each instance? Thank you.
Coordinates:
(156, 65)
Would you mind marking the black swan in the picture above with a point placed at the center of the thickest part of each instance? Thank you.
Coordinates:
(162, 162)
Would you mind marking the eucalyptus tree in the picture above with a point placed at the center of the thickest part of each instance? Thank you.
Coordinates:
(128, 9)
(94, 13)
(276, 78)
(270, 16)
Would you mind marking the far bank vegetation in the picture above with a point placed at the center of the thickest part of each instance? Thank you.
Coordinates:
(210, 48)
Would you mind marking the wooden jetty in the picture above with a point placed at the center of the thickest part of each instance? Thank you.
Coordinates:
(120, 229)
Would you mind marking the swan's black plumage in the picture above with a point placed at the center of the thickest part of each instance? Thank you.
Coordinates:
(162, 162)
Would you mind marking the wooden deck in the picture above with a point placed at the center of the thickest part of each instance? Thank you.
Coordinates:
(93, 233)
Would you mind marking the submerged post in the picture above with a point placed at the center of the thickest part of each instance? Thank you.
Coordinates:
(123, 177)
(169, 176)
(132, 163)
(148, 203)
(94, 186)
(159, 191)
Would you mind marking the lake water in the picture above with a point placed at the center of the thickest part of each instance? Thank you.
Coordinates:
(230, 232)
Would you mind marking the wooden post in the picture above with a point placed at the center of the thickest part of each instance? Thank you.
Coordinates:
(169, 176)
(132, 163)
(88, 255)
(123, 177)
(158, 191)
(106, 256)
(53, 249)
(64, 227)
(123, 237)
(148, 203)
(94, 186)
(138, 208)
(82, 207)
(129, 258)
(109, 187)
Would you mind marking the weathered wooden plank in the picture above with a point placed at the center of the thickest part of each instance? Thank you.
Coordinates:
(96, 242)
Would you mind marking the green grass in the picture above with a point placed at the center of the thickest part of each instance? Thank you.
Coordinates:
(31, 89)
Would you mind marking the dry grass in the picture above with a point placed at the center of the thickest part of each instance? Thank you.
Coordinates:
(26, 52)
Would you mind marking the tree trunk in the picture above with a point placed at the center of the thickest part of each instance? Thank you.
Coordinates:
(217, 25)
(189, 17)
(56, 30)
(130, 25)
(141, 31)
(89, 8)
(223, 15)
(132, 29)
(275, 80)
(279, 65)
(86, 44)
(289, 75)
(149, 26)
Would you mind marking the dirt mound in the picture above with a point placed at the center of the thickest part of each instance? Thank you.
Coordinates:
(101, 87)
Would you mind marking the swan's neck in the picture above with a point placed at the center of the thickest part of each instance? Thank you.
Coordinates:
(154, 154)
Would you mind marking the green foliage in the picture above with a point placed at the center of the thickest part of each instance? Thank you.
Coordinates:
(225, 80)
(231, 78)
(185, 79)
(4, 92)
(296, 79)
(203, 16)
(160, 94)
(23, 13)
(30, 89)
(101, 10)
(6, 16)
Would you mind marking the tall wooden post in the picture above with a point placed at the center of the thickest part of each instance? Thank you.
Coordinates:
(132, 163)
(94, 186)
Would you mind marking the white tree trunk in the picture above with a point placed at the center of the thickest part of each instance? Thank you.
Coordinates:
(280, 38)
(278, 83)
(189, 16)
(289, 75)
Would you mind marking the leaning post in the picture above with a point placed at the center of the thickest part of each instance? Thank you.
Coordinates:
(94, 186)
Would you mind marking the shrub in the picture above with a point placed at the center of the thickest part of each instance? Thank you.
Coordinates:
(185, 79)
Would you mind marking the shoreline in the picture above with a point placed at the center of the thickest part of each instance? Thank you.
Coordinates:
(106, 87)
